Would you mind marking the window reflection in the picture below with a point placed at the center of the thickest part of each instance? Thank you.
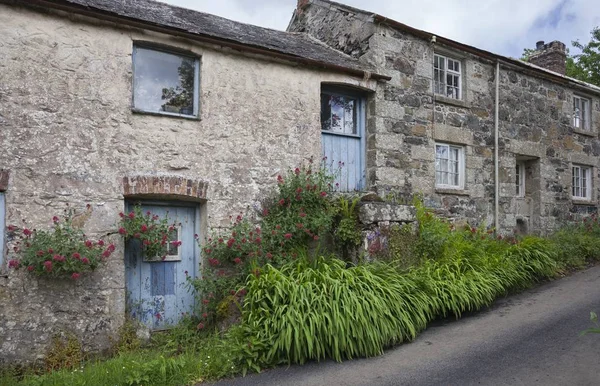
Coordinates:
(164, 82)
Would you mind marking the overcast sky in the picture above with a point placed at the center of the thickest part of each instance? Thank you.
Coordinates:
(501, 26)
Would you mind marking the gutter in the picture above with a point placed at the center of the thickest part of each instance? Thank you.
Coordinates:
(137, 23)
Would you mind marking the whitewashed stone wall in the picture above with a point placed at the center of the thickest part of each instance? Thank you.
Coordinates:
(69, 136)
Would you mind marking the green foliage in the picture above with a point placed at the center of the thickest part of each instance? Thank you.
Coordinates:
(64, 353)
(314, 310)
(311, 310)
(577, 244)
(153, 233)
(61, 252)
(178, 357)
(301, 209)
(299, 214)
(347, 231)
(402, 243)
(586, 65)
(127, 339)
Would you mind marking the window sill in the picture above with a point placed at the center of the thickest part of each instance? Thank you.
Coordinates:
(455, 192)
(584, 132)
(579, 201)
(452, 101)
(167, 115)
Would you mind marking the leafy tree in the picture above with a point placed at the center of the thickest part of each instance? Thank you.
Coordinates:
(584, 66)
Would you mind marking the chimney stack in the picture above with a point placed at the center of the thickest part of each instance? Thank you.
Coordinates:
(551, 56)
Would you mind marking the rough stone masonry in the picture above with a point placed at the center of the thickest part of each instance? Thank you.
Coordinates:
(406, 119)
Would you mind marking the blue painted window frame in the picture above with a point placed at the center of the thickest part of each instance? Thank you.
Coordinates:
(361, 113)
(175, 52)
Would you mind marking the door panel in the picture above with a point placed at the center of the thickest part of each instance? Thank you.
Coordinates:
(157, 291)
(344, 160)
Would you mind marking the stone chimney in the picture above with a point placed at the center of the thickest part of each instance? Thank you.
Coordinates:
(552, 56)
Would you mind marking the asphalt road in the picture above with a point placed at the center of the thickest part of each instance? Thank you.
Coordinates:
(527, 339)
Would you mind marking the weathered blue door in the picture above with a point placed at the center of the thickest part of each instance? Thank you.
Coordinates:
(343, 138)
(157, 290)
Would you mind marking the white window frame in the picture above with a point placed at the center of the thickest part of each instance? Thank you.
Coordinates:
(460, 163)
(582, 182)
(581, 121)
(196, 102)
(444, 72)
(168, 256)
(520, 179)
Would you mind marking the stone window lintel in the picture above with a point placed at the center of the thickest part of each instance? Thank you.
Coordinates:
(454, 192)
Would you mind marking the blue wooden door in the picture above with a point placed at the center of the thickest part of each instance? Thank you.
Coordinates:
(343, 138)
(157, 290)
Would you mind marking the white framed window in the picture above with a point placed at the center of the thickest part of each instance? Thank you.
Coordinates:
(582, 182)
(447, 74)
(165, 83)
(581, 113)
(172, 247)
(520, 179)
(449, 166)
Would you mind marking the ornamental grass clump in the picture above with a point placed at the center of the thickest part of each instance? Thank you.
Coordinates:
(152, 232)
(61, 252)
(315, 309)
(321, 309)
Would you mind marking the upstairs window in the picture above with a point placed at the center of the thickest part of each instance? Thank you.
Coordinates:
(581, 113)
(449, 166)
(447, 76)
(582, 182)
(165, 83)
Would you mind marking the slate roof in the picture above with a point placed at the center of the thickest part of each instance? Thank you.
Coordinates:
(153, 13)
(524, 66)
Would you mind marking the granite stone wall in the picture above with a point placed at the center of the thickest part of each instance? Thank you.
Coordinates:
(406, 119)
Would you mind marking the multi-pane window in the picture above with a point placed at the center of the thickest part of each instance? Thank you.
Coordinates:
(582, 182)
(338, 113)
(165, 83)
(447, 76)
(520, 179)
(449, 166)
(581, 113)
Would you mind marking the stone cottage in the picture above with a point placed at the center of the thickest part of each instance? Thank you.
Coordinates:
(482, 136)
(107, 102)
(104, 103)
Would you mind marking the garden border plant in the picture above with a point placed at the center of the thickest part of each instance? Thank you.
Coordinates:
(64, 251)
(297, 305)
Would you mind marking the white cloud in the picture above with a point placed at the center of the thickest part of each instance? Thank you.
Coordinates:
(501, 26)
